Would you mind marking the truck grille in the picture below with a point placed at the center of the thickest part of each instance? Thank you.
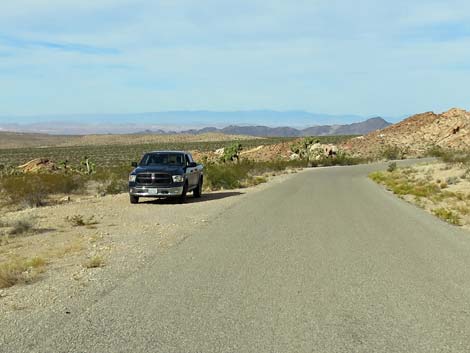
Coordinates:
(150, 179)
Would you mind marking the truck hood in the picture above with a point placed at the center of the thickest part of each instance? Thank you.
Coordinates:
(173, 170)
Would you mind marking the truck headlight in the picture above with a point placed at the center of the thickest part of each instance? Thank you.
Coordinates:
(178, 178)
(132, 178)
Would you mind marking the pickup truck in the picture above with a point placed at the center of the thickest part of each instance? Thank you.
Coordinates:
(163, 174)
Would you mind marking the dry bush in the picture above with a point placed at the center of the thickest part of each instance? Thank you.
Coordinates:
(22, 226)
(16, 272)
(94, 262)
(80, 221)
(447, 215)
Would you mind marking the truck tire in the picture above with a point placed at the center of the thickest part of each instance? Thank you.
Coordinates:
(182, 197)
(198, 190)
(134, 199)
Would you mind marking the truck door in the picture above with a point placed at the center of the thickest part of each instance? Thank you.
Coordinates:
(191, 172)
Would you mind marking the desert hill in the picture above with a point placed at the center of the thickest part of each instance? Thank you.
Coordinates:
(417, 134)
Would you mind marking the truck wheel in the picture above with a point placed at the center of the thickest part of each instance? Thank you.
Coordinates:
(134, 199)
(198, 191)
(182, 197)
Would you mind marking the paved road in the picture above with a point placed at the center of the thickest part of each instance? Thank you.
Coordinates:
(324, 262)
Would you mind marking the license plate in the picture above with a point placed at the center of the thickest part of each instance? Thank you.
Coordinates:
(153, 191)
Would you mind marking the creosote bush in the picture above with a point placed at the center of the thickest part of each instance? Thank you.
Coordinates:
(20, 227)
(80, 221)
(393, 153)
(392, 167)
(450, 156)
(447, 215)
(94, 262)
(32, 190)
(20, 271)
(242, 174)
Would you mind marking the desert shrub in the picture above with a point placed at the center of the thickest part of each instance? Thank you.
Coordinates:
(80, 221)
(235, 175)
(20, 271)
(466, 174)
(453, 180)
(223, 176)
(113, 180)
(116, 186)
(341, 159)
(94, 262)
(402, 186)
(393, 153)
(33, 190)
(450, 156)
(20, 227)
(10, 274)
(392, 167)
(447, 215)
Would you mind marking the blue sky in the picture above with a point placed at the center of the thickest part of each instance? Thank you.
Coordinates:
(366, 57)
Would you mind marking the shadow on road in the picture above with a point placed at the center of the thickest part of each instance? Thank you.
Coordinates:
(190, 199)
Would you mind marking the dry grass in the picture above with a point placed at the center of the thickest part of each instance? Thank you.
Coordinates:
(20, 271)
(94, 262)
(448, 215)
(80, 221)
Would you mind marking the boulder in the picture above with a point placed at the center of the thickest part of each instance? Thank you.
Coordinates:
(38, 165)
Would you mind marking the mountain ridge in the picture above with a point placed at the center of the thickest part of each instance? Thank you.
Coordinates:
(359, 128)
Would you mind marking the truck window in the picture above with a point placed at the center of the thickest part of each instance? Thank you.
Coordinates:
(189, 159)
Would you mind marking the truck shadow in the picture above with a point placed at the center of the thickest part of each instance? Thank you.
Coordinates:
(190, 199)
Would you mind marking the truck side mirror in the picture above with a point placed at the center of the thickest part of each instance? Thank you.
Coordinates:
(134, 164)
(192, 165)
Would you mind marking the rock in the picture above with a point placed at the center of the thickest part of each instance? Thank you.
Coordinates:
(38, 165)
(294, 157)
(220, 151)
(65, 199)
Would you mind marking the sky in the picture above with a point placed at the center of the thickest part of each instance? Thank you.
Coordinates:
(362, 57)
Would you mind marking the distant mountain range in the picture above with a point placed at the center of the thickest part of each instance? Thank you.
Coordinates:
(259, 122)
(360, 128)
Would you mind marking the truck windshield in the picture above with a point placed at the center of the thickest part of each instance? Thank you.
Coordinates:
(150, 159)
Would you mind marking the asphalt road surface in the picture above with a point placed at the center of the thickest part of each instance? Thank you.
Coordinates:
(326, 261)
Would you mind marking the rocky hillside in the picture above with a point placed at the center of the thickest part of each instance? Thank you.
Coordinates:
(417, 134)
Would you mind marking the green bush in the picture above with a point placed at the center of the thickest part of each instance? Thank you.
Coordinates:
(392, 167)
(393, 153)
(450, 156)
(447, 215)
(236, 175)
(33, 190)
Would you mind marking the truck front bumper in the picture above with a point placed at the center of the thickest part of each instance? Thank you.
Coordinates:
(156, 192)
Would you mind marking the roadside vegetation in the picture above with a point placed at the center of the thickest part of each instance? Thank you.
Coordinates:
(442, 188)
(20, 271)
